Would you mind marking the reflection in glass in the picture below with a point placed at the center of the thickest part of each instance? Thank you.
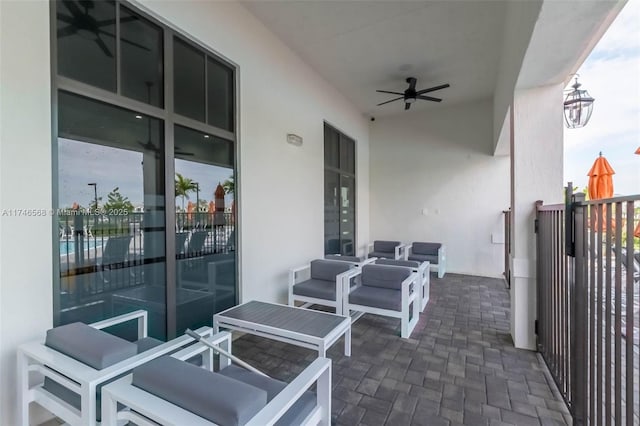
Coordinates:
(188, 80)
(220, 95)
(111, 225)
(339, 193)
(86, 42)
(205, 227)
(141, 58)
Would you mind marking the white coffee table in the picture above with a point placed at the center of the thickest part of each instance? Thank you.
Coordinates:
(297, 326)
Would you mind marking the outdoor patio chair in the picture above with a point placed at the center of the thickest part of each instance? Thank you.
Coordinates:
(420, 268)
(318, 283)
(434, 253)
(115, 257)
(65, 373)
(390, 291)
(181, 239)
(169, 391)
(354, 260)
(385, 249)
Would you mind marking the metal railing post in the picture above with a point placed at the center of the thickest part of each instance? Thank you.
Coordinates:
(579, 322)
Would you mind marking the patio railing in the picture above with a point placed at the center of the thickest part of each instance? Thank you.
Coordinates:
(588, 305)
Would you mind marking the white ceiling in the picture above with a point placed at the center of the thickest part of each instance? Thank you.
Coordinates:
(361, 46)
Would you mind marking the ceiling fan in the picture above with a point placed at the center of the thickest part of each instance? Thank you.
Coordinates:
(411, 94)
(82, 23)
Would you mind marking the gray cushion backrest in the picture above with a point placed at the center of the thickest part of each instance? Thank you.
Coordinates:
(385, 246)
(354, 259)
(217, 398)
(426, 248)
(90, 346)
(392, 262)
(328, 269)
(384, 276)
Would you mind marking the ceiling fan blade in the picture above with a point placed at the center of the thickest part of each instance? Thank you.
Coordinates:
(65, 18)
(393, 93)
(66, 31)
(395, 99)
(107, 22)
(432, 89)
(407, 105)
(73, 7)
(412, 83)
(103, 46)
(428, 98)
(124, 40)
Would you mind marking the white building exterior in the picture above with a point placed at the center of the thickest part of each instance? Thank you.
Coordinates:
(443, 173)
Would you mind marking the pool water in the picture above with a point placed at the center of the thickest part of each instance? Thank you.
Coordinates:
(68, 247)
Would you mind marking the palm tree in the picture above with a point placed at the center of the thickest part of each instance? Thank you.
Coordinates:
(183, 187)
(229, 185)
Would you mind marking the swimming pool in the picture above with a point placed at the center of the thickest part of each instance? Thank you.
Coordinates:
(69, 246)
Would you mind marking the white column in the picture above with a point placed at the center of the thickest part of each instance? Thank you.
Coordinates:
(536, 174)
(25, 183)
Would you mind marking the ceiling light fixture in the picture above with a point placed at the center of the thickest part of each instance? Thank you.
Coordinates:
(138, 117)
(578, 106)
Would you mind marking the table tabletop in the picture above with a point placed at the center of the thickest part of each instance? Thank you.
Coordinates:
(298, 320)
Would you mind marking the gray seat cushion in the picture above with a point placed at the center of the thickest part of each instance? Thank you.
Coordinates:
(382, 254)
(90, 346)
(354, 259)
(215, 397)
(433, 259)
(320, 289)
(295, 415)
(426, 248)
(147, 343)
(377, 297)
(393, 262)
(328, 269)
(385, 246)
(389, 277)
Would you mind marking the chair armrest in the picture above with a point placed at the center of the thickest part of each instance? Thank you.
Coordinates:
(406, 287)
(295, 271)
(140, 315)
(399, 251)
(368, 261)
(408, 250)
(369, 249)
(279, 405)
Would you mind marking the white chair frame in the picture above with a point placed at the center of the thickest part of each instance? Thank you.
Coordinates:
(410, 303)
(302, 273)
(400, 251)
(356, 264)
(36, 359)
(441, 267)
(424, 277)
(145, 409)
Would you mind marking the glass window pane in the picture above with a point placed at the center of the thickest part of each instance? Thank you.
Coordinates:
(331, 147)
(141, 67)
(331, 212)
(112, 258)
(205, 228)
(86, 42)
(188, 80)
(347, 154)
(220, 95)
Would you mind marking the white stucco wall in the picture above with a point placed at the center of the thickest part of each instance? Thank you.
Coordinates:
(439, 162)
(25, 183)
(537, 155)
(281, 186)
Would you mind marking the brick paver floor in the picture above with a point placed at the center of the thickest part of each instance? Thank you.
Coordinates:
(458, 367)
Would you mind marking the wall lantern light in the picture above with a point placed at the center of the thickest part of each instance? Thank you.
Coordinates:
(578, 106)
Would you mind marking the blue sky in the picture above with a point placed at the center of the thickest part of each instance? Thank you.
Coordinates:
(611, 74)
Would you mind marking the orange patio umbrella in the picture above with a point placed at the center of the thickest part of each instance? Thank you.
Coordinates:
(600, 179)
